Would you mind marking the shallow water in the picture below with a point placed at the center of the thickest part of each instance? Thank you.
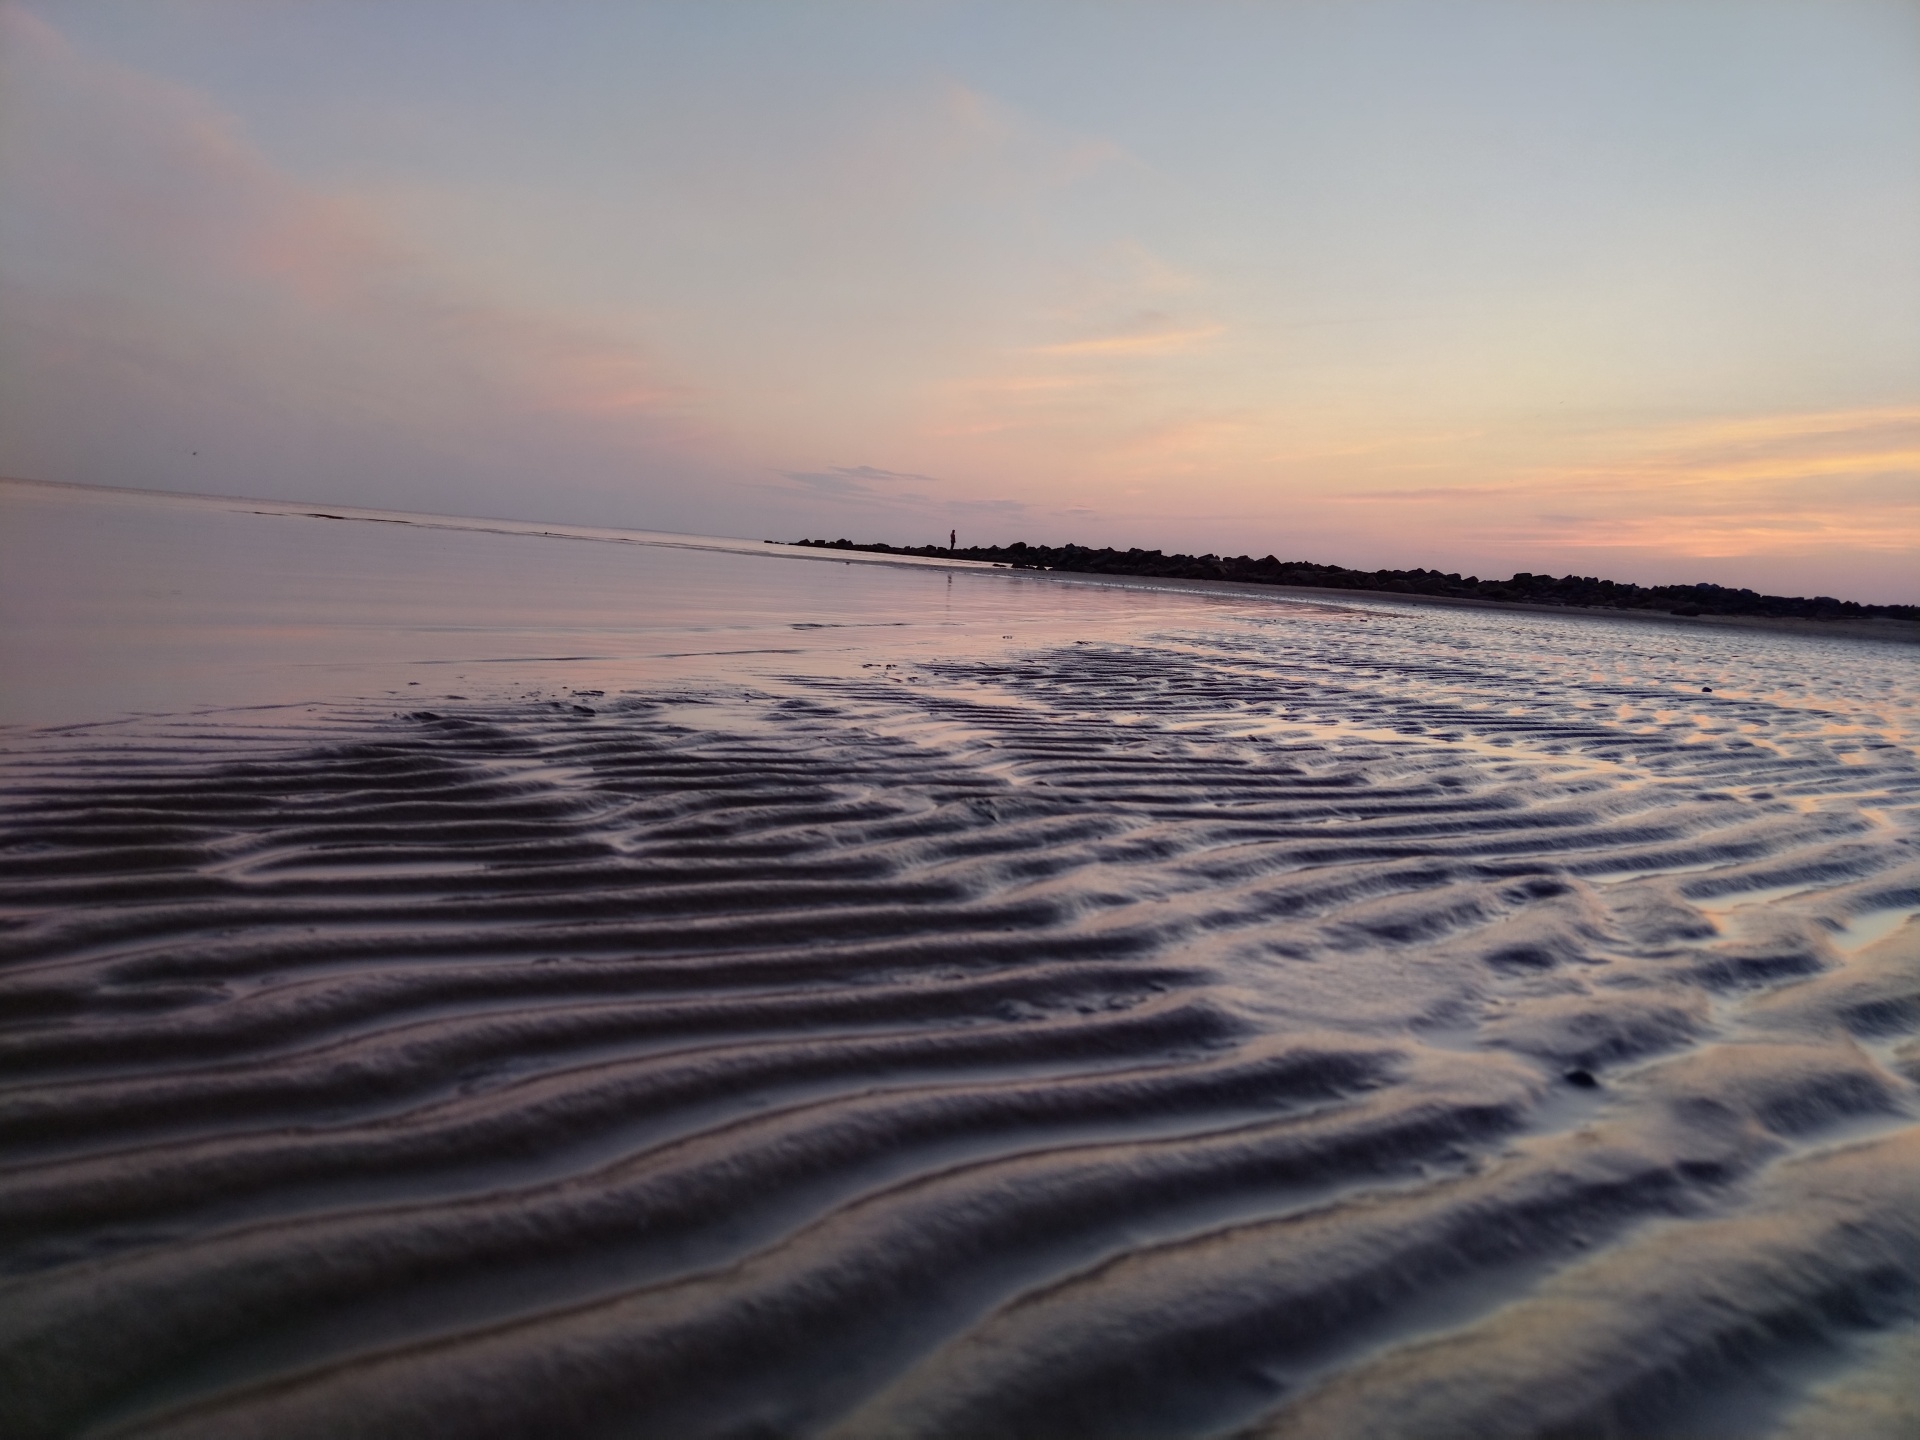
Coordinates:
(120, 603)
(939, 1002)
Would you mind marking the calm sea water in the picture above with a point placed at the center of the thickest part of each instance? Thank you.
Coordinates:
(118, 602)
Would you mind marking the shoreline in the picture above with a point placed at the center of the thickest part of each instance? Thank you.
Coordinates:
(1898, 632)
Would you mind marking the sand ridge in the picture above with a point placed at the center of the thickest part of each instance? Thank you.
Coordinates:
(1166, 1037)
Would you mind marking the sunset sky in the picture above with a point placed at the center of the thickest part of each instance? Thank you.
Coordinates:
(1620, 288)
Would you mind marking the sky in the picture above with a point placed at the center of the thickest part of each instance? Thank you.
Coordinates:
(1608, 287)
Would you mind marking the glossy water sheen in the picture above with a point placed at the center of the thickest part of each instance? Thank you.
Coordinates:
(999, 1006)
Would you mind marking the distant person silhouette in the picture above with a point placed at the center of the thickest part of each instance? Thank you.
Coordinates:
(952, 536)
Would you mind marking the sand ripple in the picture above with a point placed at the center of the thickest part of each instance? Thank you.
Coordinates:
(1275, 1034)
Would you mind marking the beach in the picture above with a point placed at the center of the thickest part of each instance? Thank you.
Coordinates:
(482, 979)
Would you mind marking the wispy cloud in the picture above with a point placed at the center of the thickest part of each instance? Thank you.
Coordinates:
(1139, 342)
(1792, 427)
(1719, 487)
(855, 479)
(1115, 377)
(903, 505)
(1786, 447)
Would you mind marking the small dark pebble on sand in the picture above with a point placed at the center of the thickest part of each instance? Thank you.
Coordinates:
(1706, 689)
(1582, 1078)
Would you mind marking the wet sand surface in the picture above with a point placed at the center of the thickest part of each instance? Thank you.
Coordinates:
(772, 996)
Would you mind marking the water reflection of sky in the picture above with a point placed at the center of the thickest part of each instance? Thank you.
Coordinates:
(117, 602)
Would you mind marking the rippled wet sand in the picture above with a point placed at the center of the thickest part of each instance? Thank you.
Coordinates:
(1189, 1018)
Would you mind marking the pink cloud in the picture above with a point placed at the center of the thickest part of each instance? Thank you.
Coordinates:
(1139, 342)
(171, 271)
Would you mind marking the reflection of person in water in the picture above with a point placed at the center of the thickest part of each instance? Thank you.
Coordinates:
(952, 536)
